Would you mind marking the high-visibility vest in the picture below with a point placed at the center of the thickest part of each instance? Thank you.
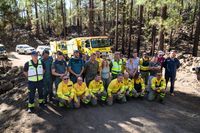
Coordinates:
(35, 74)
(117, 66)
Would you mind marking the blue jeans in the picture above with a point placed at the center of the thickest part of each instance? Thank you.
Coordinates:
(172, 80)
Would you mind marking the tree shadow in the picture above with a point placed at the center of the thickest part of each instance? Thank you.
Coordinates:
(180, 114)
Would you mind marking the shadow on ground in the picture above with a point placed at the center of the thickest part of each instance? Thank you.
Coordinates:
(180, 114)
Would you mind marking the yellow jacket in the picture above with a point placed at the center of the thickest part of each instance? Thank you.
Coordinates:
(99, 60)
(96, 87)
(115, 86)
(144, 64)
(139, 81)
(81, 89)
(66, 91)
(128, 84)
(155, 83)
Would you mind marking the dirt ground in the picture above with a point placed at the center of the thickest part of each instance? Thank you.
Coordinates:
(180, 114)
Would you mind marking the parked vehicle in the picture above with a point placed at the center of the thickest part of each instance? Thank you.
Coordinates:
(41, 48)
(24, 49)
(3, 53)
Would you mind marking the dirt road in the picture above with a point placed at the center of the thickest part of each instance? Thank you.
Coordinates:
(180, 114)
(18, 59)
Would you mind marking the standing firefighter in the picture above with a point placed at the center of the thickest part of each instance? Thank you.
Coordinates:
(66, 92)
(144, 67)
(97, 90)
(59, 68)
(91, 69)
(116, 65)
(34, 70)
(76, 66)
(47, 75)
(171, 64)
(82, 93)
(157, 90)
(116, 90)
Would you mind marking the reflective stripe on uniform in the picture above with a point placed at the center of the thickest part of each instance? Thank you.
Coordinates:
(117, 67)
(35, 74)
(31, 105)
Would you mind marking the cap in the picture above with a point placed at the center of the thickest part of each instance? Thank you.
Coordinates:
(34, 53)
(45, 52)
(59, 53)
(76, 51)
(117, 52)
(160, 53)
(120, 74)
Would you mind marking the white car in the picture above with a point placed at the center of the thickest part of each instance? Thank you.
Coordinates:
(24, 49)
(41, 48)
(3, 53)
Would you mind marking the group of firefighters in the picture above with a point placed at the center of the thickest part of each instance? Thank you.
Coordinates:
(94, 79)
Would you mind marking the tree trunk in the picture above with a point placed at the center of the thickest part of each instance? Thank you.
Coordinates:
(153, 34)
(63, 18)
(48, 18)
(161, 34)
(141, 8)
(116, 26)
(123, 26)
(197, 33)
(91, 17)
(37, 18)
(130, 28)
(193, 20)
(171, 38)
(28, 12)
(78, 16)
(104, 17)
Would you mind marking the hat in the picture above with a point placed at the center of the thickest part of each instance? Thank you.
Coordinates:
(76, 51)
(120, 74)
(59, 53)
(161, 53)
(45, 52)
(34, 53)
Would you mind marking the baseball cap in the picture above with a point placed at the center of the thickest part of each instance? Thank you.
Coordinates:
(34, 53)
(59, 53)
(76, 51)
(45, 52)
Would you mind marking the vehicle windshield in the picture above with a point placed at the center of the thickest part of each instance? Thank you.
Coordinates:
(47, 49)
(2, 48)
(100, 43)
(62, 46)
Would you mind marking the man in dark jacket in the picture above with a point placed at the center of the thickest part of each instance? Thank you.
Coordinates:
(171, 64)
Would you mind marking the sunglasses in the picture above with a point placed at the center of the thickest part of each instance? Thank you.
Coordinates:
(65, 78)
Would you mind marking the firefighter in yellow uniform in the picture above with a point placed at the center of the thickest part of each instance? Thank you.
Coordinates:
(138, 86)
(158, 85)
(98, 58)
(116, 90)
(66, 92)
(82, 93)
(144, 67)
(128, 86)
(97, 90)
